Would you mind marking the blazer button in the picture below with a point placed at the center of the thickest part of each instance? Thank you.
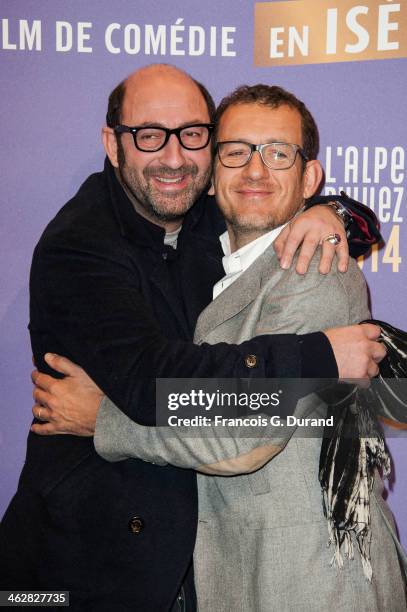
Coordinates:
(136, 525)
(251, 361)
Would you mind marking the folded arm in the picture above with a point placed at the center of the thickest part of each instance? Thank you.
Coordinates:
(222, 450)
(294, 304)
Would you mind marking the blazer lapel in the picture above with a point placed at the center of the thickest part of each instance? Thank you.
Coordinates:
(238, 295)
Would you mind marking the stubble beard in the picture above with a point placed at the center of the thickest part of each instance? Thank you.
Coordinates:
(252, 223)
(158, 206)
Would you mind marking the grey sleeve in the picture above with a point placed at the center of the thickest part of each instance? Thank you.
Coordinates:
(314, 302)
(117, 437)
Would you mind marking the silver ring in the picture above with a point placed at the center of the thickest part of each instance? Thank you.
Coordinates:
(39, 414)
(332, 239)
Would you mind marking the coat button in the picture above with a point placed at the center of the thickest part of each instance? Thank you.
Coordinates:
(136, 525)
(251, 361)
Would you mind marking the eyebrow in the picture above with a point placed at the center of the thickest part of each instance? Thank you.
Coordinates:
(268, 141)
(158, 124)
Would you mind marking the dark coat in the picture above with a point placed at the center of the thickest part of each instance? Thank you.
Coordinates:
(109, 295)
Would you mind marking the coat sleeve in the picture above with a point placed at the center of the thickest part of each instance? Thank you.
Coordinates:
(117, 437)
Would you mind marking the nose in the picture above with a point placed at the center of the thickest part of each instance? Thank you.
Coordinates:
(173, 154)
(255, 169)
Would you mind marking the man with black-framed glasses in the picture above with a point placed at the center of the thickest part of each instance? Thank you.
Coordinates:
(118, 280)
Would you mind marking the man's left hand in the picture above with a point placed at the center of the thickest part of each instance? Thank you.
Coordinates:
(68, 405)
(309, 230)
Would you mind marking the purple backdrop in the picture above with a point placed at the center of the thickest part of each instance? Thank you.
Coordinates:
(53, 107)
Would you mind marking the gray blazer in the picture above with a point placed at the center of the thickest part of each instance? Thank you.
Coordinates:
(262, 537)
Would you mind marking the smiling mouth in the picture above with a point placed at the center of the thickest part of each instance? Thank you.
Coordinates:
(254, 192)
(162, 179)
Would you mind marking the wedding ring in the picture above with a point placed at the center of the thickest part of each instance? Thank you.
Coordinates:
(332, 238)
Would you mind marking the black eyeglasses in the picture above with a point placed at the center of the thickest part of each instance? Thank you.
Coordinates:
(151, 139)
(275, 155)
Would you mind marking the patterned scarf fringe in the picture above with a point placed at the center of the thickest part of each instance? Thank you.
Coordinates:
(346, 484)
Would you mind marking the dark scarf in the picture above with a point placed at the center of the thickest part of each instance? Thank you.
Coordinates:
(355, 449)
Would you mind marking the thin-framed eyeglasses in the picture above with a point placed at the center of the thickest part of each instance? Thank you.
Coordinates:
(274, 155)
(150, 139)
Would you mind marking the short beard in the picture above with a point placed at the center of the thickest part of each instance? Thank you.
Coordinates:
(256, 224)
(144, 194)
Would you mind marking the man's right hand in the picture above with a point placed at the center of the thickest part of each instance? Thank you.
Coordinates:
(356, 350)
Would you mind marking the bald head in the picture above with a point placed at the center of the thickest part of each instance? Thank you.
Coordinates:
(156, 72)
(169, 81)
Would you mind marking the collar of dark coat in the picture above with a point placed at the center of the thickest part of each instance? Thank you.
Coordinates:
(204, 220)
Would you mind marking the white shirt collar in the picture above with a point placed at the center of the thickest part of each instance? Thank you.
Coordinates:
(237, 262)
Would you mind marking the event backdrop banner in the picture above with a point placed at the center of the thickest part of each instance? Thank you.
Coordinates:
(59, 61)
(295, 33)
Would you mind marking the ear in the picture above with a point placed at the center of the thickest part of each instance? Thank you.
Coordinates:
(110, 145)
(312, 178)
